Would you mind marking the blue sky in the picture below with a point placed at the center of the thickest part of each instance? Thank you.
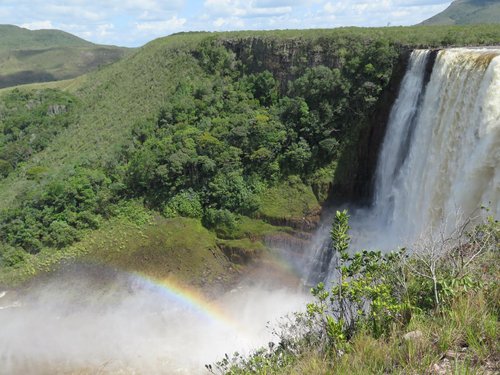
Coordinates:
(135, 22)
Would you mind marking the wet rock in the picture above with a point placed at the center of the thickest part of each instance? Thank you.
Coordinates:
(443, 368)
(287, 241)
(241, 254)
(306, 223)
(413, 336)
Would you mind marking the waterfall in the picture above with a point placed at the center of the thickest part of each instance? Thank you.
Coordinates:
(440, 158)
(453, 158)
(441, 155)
(400, 128)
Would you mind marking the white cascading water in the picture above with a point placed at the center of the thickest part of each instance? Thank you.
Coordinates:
(401, 120)
(439, 161)
(441, 154)
(400, 128)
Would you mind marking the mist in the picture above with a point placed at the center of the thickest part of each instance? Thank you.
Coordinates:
(89, 319)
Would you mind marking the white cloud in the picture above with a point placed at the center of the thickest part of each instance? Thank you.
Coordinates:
(37, 25)
(135, 22)
(4, 13)
(268, 12)
(370, 13)
(276, 3)
(248, 9)
(103, 30)
(229, 23)
(172, 24)
(151, 5)
(73, 11)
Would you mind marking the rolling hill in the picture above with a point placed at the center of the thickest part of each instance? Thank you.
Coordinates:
(28, 56)
(462, 12)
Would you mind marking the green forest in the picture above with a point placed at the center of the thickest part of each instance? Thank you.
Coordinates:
(192, 128)
(209, 143)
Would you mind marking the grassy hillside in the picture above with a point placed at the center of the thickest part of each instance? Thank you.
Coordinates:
(462, 12)
(206, 126)
(14, 37)
(28, 56)
(70, 85)
(147, 243)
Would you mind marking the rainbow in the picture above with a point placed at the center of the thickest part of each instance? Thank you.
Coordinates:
(190, 299)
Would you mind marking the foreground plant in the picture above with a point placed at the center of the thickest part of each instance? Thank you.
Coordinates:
(360, 323)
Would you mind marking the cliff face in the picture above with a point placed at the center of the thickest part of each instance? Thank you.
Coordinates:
(371, 138)
(360, 187)
(287, 60)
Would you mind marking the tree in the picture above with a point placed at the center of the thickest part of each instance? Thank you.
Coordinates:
(264, 88)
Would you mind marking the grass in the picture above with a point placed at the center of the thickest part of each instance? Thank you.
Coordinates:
(421, 36)
(57, 63)
(70, 85)
(464, 340)
(166, 248)
(115, 235)
(253, 229)
(242, 251)
(115, 97)
(462, 337)
(14, 36)
(289, 200)
(139, 241)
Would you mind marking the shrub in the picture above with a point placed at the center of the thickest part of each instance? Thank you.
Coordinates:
(369, 302)
(11, 256)
(231, 192)
(185, 204)
(222, 221)
(5, 168)
(54, 216)
(36, 173)
(61, 234)
(363, 292)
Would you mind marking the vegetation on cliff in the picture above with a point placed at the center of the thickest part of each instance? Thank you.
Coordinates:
(213, 127)
(29, 122)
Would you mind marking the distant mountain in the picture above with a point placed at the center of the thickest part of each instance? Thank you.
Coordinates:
(462, 12)
(28, 56)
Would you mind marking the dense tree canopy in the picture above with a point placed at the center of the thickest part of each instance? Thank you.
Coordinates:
(209, 152)
(228, 126)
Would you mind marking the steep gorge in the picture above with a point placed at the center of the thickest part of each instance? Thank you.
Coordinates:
(288, 59)
(153, 308)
